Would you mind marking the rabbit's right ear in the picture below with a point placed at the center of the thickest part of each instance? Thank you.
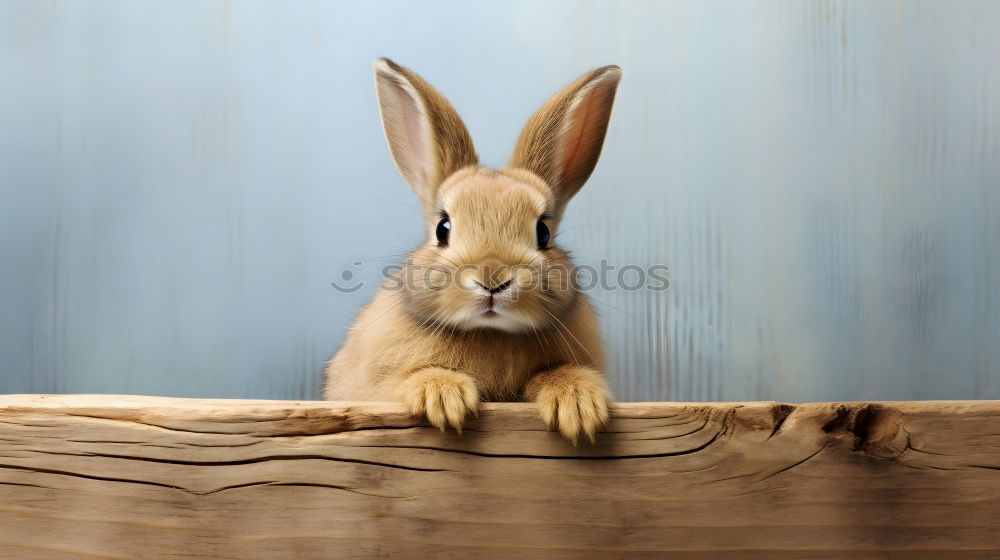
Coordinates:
(426, 137)
(563, 139)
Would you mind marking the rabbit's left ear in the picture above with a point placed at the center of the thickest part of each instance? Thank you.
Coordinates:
(562, 141)
(426, 137)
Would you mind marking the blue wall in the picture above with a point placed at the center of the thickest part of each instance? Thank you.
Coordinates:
(180, 182)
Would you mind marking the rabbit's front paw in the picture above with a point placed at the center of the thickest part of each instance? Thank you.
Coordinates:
(573, 399)
(444, 396)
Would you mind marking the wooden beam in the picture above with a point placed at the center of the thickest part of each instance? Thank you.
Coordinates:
(146, 478)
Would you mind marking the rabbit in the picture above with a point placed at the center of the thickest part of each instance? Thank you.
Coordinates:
(485, 308)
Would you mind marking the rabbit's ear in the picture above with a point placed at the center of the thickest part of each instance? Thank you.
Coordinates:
(562, 141)
(427, 138)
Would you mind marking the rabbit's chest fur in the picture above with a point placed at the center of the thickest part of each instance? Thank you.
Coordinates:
(385, 343)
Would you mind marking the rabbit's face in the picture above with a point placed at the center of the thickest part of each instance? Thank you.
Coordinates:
(490, 261)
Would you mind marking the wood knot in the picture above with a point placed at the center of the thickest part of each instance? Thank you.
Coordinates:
(877, 430)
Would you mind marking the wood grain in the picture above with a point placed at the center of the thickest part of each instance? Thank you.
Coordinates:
(141, 477)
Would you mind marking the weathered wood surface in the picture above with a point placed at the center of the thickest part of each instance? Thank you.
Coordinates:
(146, 478)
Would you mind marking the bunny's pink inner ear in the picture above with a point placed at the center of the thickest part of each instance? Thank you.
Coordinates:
(415, 126)
(585, 125)
(405, 124)
(562, 141)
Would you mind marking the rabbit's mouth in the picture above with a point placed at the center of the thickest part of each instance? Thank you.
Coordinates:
(493, 313)
(491, 309)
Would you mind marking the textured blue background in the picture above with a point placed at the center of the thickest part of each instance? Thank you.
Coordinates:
(180, 182)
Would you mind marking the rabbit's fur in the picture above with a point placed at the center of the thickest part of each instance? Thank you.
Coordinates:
(491, 313)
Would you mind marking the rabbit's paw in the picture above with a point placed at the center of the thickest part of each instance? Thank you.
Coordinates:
(573, 399)
(444, 396)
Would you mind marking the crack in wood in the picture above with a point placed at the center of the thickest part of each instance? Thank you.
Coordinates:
(793, 465)
(304, 485)
(248, 461)
(779, 414)
(41, 470)
(701, 447)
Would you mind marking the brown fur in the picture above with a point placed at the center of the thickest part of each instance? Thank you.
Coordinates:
(425, 338)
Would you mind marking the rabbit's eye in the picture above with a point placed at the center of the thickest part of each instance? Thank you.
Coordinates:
(542, 231)
(443, 229)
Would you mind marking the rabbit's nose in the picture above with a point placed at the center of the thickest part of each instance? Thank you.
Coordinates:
(494, 276)
(495, 289)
